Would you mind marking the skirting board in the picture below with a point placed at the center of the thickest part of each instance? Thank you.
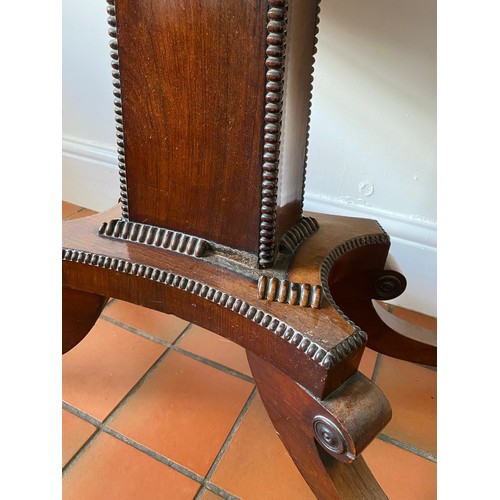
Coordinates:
(413, 250)
(89, 174)
(90, 179)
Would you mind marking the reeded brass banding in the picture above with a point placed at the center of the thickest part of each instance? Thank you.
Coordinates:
(154, 236)
(305, 294)
(262, 287)
(294, 293)
(275, 50)
(284, 291)
(316, 297)
(273, 288)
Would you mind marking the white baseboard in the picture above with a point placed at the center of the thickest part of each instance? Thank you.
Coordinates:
(413, 248)
(90, 179)
(89, 174)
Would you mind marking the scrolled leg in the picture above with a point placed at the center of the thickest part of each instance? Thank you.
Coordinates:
(325, 437)
(354, 294)
(357, 270)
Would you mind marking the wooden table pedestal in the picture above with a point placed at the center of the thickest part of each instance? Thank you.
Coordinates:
(212, 107)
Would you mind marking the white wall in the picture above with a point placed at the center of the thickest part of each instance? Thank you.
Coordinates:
(373, 128)
(373, 125)
(90, 176)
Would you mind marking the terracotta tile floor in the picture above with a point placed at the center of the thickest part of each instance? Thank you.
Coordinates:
(154, 407)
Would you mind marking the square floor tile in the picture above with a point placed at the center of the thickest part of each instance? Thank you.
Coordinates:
(412, 392)
(401, 474)
(113, 470)
(75, 433)
(257, 465)
(216, 348)
(184, 411)
(104, 366)
(164, 326)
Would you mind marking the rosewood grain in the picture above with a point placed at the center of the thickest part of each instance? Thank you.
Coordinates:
(192, 82)
(209, 155)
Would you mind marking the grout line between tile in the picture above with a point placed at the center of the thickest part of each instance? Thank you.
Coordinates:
(231, 434)
(213, 488)
(96, 422)
(376, 368)
(214, 364)
(153, 454)
(408, 447)
(83, 448)
(112, 414)
(80, 452)
(227, 442)
(81, 414)
(102, 427)
(218, 491)
(201, 359)
(200, 493)
(142, 333)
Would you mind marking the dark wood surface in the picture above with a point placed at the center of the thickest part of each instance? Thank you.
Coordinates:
(302, 341)
(192, 82)
(351, 270)
(293, 412)
(202, 93)
(79, 313)
(353, 285)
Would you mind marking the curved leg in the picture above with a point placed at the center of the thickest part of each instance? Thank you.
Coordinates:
(303, 421)
(351, 294)
(80, 311)
(384, 339)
